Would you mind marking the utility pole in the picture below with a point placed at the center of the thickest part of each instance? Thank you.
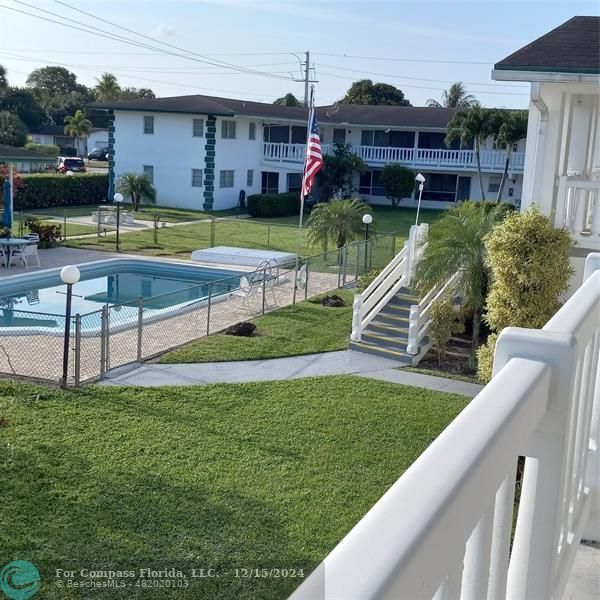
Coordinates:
(306, 78)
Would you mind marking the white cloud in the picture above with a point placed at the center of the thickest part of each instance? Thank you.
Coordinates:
(162, 30)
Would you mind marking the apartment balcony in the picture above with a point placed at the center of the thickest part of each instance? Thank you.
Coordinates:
(417, 158)
(577, 201)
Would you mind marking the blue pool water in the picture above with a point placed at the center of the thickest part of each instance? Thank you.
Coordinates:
(37, 300)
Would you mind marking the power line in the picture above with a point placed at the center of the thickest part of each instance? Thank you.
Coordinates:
(416, 60)
(128, 53)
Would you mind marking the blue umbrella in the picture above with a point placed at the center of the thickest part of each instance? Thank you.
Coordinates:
(7, 219)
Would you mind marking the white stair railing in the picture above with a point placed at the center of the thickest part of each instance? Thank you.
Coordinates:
(443, 530)
(396, 275)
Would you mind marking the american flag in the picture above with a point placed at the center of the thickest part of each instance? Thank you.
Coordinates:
(314, 159)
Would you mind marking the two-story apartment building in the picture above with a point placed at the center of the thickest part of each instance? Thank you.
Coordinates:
(201, 151)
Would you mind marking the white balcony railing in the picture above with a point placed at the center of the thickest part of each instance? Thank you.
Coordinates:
(491, 160)
(577, 210)
(443, 530)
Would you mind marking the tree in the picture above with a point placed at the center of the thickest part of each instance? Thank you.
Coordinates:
(78, 126)
(338, 172)
(339, 221)
(138, 188)
(512, 128)
(366, 92)
(454, 97)
(288, 100)
(531, 269)
(456, 245)
(398, 182)
(12, 129)
(3, 80)
(474, 124)
(54, 81)
(107, 87)
(133, 92)
(25, 104)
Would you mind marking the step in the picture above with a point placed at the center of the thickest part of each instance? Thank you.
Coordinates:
(397, 329)
(401, 357)
(402, 300)
(396, 309)
(393, 318)
(391, 342)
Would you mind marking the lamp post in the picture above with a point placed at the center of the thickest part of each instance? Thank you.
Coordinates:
(367, 220)
(118, 198)
(421, 180)
(69, 275)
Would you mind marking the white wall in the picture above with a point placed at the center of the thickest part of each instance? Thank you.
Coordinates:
(97, 139)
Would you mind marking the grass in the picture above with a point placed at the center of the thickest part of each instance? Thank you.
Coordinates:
(312, 327)
(255, 475)
(445, 374)
(97, 164)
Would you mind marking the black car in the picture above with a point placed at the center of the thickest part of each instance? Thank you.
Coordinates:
(98, 153)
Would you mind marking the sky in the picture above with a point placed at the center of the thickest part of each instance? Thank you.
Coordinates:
(420, 46)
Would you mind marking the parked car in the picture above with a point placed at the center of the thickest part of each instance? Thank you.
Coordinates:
(69, 163)
(98, 153)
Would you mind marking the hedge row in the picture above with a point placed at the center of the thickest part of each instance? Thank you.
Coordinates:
(49, 149)
(49, 190)
(274, 205)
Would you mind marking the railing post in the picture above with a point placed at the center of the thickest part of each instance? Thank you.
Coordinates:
(344, 263)
(356, 318)
(140, 327)
(103, 338)
(412, 346)
(208, 309)
(77, 349)
(533, 565)
(357, 261)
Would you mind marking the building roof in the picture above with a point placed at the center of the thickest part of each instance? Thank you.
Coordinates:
(573, 47)
(57, 130)
(355, 114)
(13, 154)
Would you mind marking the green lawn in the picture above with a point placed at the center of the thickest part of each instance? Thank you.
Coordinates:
(311, 326)
(257, 475)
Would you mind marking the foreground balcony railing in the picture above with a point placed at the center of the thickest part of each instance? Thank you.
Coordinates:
(443, 530)
(491, 160)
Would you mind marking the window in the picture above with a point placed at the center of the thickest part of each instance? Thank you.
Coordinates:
(402, 139)
(198, 128)
(339, 136)
(366, 137)
(250, 178)
(370, 183)
(294, 182)
(226, 179)
(434, 141)
(252, 131)
(494, 185)
(277, 134)
(298, 134)
(148, 125)
(196, 177)
(440, 187)
(228, 130)
(148, 171)
(269, 183)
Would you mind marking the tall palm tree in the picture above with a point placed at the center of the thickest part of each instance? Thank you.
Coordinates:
(107, 87)
(138, 188)
(339, 221)
(512, 129)
(454, 97)
(78, 126)
(456, 244)
(474, 124)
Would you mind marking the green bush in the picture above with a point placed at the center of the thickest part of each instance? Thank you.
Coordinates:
(49, 234)
(274, 205)
(445, 322)
(398, 182)
(49, 149)
(485, 358)
(504, 208)
(49, 190)
(367, 279)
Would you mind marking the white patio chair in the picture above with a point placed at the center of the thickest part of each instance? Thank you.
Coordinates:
(26, 253)
(248, 291)
(3, 256)
(301, 279)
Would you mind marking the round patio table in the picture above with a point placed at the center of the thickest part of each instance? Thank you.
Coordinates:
(10, 245)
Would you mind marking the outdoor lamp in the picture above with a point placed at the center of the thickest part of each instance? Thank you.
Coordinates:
(421, 181)
(118, 198)
(367, 220)
(70, 276)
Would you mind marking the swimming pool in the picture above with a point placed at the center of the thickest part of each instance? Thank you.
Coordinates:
(35, 302)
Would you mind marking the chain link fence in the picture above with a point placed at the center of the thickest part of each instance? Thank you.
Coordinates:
(32, 343)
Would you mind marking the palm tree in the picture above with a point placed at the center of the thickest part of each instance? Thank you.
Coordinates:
(339, 221)
(454, 97)
(473, 124)
(512, 129)
(107, 88)
(456, 244)
(77, 126)
(138, 188)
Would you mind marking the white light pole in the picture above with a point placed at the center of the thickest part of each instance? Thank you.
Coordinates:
(69, 275)
(421, 180)
(118, 198)
(367, 220)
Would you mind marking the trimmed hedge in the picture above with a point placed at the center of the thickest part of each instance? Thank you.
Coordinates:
(49, 190)
(49, 149)
(274, 205)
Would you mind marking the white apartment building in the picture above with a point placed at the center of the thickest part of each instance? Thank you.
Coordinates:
(201, 151)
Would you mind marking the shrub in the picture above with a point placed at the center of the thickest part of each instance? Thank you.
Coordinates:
(67, 151)
(49, 190)
(504, 208)
(398, 182)
(49, 149)
(367, 279)
(445, 323)
(485, 358)
(274, 205)
(49, 234)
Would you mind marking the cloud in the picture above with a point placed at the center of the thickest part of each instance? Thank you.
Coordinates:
(162, 30)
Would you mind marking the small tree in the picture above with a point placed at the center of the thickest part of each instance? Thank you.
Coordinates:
(531, 269)
(138, 188)
(444, 324)
(12, 129)
(338, 172)
(398, 182)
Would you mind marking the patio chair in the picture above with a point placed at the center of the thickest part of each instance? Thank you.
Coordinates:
(301, 279)
(3, 256)
(28, 252)
(248, 291)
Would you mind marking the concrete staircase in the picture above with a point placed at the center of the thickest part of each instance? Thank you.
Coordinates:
(387, 334)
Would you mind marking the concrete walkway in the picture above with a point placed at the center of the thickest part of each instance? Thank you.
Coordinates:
(345, 362)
